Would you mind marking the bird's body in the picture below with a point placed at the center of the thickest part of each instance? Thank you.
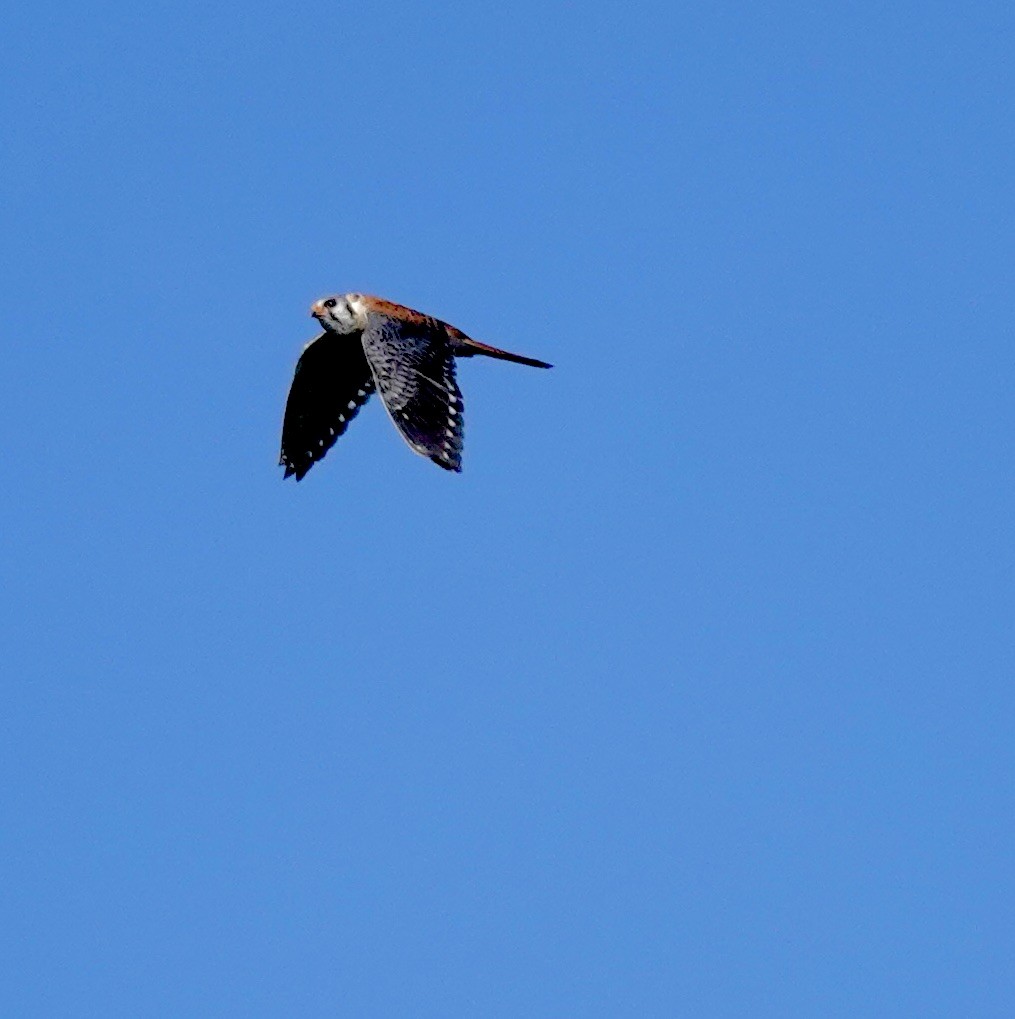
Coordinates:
(372, 344)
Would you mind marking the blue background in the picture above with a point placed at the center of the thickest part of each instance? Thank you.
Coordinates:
(692, 695)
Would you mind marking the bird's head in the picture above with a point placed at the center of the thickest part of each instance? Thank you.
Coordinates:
(343, 313)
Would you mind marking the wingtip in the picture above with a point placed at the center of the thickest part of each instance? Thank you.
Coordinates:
(452, 466)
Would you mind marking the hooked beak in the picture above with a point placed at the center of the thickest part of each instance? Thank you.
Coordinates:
(317, 309)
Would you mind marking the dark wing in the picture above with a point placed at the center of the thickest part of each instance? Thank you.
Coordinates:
(331, 383)
(414, 366)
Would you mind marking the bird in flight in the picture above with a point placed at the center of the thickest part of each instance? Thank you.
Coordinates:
(371, 344)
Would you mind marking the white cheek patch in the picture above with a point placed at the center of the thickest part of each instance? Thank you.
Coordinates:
(356, 306)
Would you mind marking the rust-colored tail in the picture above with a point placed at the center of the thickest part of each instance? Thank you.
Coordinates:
(465, 346)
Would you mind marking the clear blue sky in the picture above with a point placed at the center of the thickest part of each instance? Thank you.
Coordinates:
(692, 695)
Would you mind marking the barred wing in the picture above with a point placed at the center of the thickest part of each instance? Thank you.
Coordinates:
(413, 363)
(331, 383)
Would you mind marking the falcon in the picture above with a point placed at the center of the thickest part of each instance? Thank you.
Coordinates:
(369, 344)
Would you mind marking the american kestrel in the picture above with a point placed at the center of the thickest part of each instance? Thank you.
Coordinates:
(371, 344)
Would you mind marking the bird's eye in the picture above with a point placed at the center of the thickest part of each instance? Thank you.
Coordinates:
(330, 302)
